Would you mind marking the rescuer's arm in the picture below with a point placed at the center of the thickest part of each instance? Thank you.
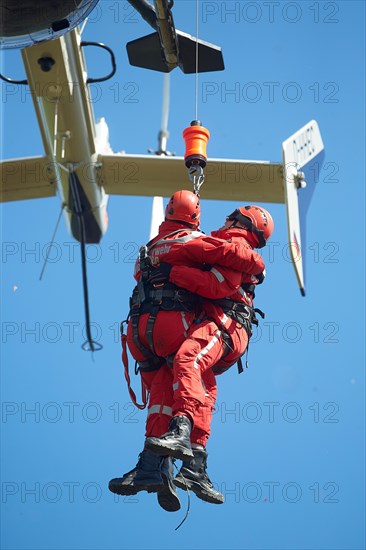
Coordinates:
(211, 250)
(216, 283)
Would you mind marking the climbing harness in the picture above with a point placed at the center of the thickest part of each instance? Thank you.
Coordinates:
(243, 314)
(150, 298)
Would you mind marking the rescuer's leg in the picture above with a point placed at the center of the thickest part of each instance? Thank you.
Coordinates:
(193, 475)
(201, 350)
(146, 476)
(153, 474)
(176, 442)
(159, 412)
(168, 496)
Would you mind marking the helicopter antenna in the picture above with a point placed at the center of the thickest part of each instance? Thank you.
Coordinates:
(157, 214)
(164, 134)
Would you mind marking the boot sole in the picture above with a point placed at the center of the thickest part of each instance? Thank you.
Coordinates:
(181, 453)
(168, 500)
(197, 489)
(133, 490)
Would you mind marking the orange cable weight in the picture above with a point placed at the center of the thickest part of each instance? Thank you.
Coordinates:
(196, 138)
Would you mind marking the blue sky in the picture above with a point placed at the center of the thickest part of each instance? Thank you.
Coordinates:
(287, 447)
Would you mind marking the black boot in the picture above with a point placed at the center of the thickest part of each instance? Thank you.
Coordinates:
(193, 476)
(168, 496)
(176, 442)
(146, 476)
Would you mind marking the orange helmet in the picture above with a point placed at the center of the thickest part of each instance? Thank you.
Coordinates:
(184, 206)
(255, 219)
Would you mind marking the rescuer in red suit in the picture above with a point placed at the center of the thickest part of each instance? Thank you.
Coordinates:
(229, 344)
(159, 324)
(212, 346)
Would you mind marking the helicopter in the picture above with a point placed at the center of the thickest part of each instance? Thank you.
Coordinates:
(75, 165)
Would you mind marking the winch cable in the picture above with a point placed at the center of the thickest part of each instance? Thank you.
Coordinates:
(196, 136)
(196, 93)
(51, 242)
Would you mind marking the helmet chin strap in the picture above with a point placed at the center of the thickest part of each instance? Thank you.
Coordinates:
(237, 216)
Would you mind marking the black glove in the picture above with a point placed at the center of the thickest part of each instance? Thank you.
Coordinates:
(160, 273)
(261, 277)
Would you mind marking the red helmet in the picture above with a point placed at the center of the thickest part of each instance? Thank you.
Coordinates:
(184, 206)
(257, 220)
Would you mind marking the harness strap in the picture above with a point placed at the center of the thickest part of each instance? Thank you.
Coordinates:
(243, 314)
(153, 362)
(240, 364)
(135, 335)
(180, 240)
(257, 310)
(147, 366)
(232, 305)
(148, 299)
(150, 327)
(144, 393)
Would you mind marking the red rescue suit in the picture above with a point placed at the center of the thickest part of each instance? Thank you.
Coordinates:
(180, 246)
(194, 381)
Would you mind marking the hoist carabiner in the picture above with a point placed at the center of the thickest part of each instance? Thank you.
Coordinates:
(196, 175)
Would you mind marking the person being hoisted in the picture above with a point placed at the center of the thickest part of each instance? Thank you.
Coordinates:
(210, 348)
(161, 315)
(182, 248)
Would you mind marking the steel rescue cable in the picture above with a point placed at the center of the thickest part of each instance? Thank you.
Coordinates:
(52, 241)
(196, 60)
(196, 136)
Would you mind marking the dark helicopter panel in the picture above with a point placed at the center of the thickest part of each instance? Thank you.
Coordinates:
(27, 22)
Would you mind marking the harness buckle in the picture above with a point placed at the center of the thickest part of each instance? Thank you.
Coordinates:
(121, 326)
(179, 295)
(247, 313)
